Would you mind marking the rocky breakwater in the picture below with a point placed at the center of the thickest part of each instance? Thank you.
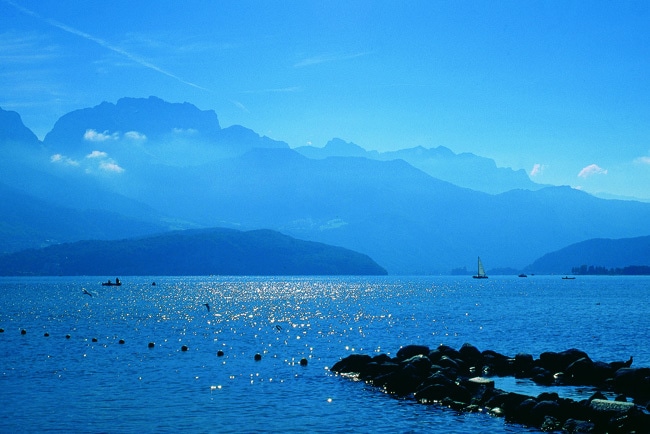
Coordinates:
(462, 380)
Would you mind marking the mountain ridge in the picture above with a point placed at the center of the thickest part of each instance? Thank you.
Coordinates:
(465, 169)
(400, 215)
(215, 251)
(599, 252)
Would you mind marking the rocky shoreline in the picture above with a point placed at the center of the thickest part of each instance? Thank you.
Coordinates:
(461, 379)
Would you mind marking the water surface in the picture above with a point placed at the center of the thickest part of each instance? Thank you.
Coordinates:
(63, 384)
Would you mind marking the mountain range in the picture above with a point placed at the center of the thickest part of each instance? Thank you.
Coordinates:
(143, 166)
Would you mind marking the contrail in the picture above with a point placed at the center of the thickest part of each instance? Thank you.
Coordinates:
(103, 44)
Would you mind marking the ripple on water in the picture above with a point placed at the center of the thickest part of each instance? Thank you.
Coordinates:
(54, 383)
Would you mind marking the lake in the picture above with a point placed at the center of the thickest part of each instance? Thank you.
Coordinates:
(67, 382)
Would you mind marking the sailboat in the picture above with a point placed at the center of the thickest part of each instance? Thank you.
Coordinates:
(481, 271)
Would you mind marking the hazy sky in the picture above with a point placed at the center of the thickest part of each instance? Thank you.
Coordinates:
(558, 88)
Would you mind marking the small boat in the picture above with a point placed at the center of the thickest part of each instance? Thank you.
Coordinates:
(568, 278)
(481, 271)
(523, 275)
(109, 283)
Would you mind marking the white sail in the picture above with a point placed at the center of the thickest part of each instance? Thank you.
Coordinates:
(481, 270)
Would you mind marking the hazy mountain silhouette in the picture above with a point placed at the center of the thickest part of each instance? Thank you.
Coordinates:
(402, 217)
(192, 252)
(145, 131)
(12, 130)
(27, 222)
(600, 252)
(465, 170)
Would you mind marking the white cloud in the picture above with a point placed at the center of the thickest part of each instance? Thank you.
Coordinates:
(62, 159)
(93, 136)
(592, 169)
(109, 166)
(97, 154)
(537, 169)
(134, 135)
(185, 131)
(643, 160)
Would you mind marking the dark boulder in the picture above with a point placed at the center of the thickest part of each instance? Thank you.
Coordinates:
(496, 364)
(541, 376)
(580, 372)
(448, 362)
(402, 381)
(352, 364)
(543, 410)
(412, 350)
(523, 363)
(443, 391)
(634, 382)
(421, 363)
(578, 426)
(471, 355)
(558, 362)
(374, 369)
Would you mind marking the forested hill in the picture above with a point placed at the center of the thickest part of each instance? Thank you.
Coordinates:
(192, 252)
(601, 253)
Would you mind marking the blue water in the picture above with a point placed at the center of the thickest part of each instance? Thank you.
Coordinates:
(73, 384)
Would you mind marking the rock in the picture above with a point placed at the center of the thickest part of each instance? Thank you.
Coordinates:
(478, 382)
(403, 381)
(541, 376)
(523, 363)
(412, 350)
(522, 413)
(634, 382)
(580, 372)
(447, 377)
(421, 363)
(471, 355)
(443, 391)
(610, 407)
(543, 410)
(578, 426)
(352, 364)
(558, 362)
(375, 370)
(496, 364)
(447, 362)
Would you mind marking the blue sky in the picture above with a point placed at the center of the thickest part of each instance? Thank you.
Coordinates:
(560, 89)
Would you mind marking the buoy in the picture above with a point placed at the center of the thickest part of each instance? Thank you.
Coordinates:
(151, 345)
(94, 339)
(46, 334)
(219, 353)
(67, 336)
(121, 341)
(184, 348)
(2, 330)
(258, 357)
(303, 362)
(23, 332)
